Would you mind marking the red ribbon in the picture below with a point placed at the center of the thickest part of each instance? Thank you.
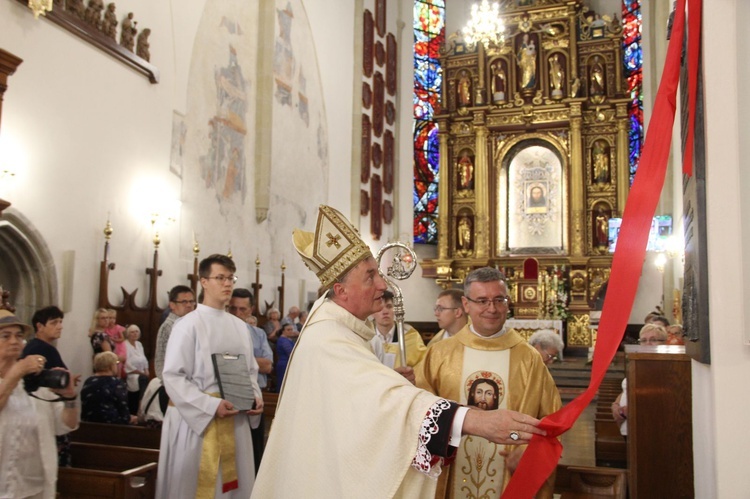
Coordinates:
(541, 457)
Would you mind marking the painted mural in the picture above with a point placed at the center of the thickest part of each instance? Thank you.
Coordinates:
(234, 195)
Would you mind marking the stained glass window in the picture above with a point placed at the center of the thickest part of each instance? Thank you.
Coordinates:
(429, 34)
(633, 59)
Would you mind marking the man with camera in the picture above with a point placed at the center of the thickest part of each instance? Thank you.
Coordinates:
(48, 323)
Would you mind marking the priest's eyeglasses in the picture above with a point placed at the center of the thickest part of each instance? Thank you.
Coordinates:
(500, 301)
(224, 278)
(440, 309)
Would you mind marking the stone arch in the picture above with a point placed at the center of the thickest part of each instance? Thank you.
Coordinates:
(27, 268)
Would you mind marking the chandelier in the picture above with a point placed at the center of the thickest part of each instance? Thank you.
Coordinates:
(485, 25)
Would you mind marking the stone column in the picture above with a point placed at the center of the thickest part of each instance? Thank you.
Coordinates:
(482, 193)
(577, 183)
(623, 157)
(444, 208)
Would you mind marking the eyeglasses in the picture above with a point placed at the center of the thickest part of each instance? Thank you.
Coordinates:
(187, 302)
(224, 278)
(439, 309)
(548, 357)
(651, 341)
(499, 301)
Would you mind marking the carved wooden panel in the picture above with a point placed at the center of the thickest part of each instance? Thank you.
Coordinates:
(378, 103)
(377, 155)
(379, 53)
(390, 112)
(380, 16)
(387, 211)
(390, 64)
(388, 152)
(366, 95)
(364, 202)
(368, 38)
(388, 165)
(366, 142)
(376, 207)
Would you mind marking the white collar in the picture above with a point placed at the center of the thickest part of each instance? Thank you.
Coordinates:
(496, 335)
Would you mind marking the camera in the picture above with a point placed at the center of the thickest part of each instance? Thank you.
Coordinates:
(49, 378)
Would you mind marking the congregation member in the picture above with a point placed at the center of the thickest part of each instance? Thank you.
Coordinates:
(651, 334)
(152, 407)
(48, 324)
(284, 347)
(104, 396)
(28, 425)
(675, 335)
(385, 341)
(100, 340)
(116, 335)
(302, 319)
(549, 345)
(292, 317)
(206, 447)
(241, 306)
(136, 367)
(346, 425)
(272, 327)
(181, 303)
(502, 370)
(450, 314)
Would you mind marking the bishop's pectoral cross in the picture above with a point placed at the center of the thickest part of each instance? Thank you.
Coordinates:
(333, 240)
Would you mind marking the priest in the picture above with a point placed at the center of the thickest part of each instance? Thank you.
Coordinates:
(487, 367)
(206, 447)
(346, 425)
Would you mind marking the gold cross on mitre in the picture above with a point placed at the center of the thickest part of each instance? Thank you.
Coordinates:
(333, 240)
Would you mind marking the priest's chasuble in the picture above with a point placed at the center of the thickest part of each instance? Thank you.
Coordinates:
(346, 425)
(189, 380)
(503, 372)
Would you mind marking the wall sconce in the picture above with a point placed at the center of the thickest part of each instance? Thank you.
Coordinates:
(660, 262)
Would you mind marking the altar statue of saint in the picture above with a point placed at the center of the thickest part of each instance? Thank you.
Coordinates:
(464, 89)
(464, 235)
(526, 59)
(556, 76)
(600, 160)
(465, 172)
(596, 75)
(602, 229)
(498, 83)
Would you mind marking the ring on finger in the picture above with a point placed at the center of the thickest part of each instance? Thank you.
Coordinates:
(514, 436)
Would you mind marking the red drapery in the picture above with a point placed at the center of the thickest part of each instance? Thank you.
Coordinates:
(541, 457)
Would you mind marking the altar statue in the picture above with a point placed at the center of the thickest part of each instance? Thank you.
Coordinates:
(556, 76)
(600, 160)
(598, 85)
(464, 90)
(465, 172)
(498, 83)
(526, 58)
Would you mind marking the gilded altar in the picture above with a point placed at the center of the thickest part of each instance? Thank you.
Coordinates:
(534, 157)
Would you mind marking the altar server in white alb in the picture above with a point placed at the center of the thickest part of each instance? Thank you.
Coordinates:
(206, 446)
(346, 425)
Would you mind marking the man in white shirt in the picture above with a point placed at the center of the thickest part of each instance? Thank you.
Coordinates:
(450, 314)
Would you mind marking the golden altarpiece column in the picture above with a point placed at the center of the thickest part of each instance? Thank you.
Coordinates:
(534, 158)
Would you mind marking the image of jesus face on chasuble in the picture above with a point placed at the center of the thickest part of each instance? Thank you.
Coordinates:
(485, 390)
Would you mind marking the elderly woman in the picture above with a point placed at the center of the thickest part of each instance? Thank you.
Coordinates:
(28, 425)
(100, 340)
(273, 325)
(104, 397)
(548, 343)
(136, 367)
(652, 334)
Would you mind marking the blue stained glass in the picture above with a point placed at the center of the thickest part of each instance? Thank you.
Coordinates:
(429, 34)
(633, 62)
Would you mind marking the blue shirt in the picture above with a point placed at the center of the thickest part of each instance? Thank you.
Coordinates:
(261, 349)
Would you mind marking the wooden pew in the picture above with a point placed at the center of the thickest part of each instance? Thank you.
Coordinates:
(584, 482)
(105, 471)
(270, 400)
(116, 434)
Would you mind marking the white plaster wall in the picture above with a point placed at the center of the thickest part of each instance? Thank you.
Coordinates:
(721, 397)
(86, 133)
